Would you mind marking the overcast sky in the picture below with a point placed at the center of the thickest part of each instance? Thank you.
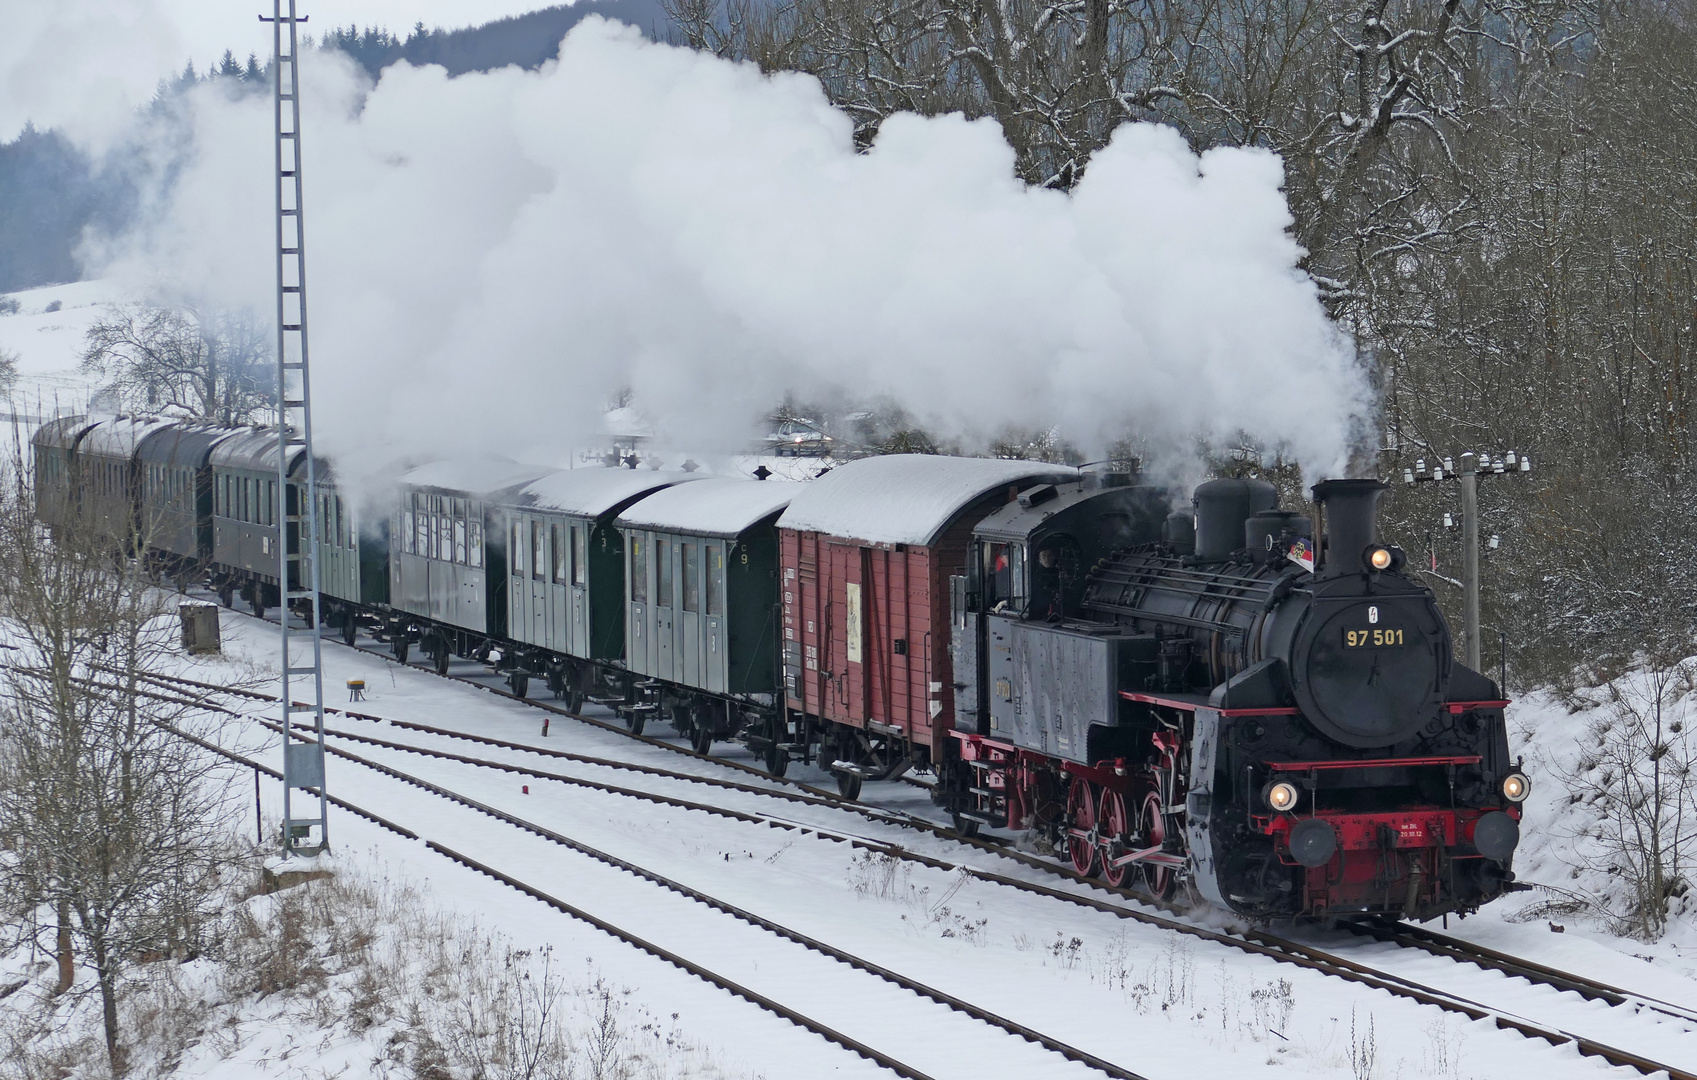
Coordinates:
(82, 64)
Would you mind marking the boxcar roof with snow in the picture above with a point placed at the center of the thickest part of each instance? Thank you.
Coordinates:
(119, 437)
(254, 451)
(593, 492)
(717, 506)
(473, 476)
(903, 498)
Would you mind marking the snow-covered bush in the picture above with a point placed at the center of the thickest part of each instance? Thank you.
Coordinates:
(1621, 817)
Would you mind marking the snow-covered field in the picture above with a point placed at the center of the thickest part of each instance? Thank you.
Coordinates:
(1142, 997)
(49, 344)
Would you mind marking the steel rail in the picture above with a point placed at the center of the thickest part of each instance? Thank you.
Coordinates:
(976, 1012)
(777, 1008)
(1430, 941)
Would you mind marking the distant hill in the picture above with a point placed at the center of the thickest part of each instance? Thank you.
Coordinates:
(529, 40)
(50, 191)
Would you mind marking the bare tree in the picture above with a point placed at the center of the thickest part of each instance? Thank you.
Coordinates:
(117, 814)
(1639, 776)
(194, 361)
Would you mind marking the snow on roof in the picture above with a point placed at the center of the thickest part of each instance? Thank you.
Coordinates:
(593, 492)
(903, 498)
(626, 422)
(254, 450)
(472, 476)
(62, 432)
(717, 506)
(118, 438)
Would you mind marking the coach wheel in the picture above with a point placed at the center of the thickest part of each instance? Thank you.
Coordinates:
(1114, 822)
(227, 597)
(521, 683)
(400, 646)
(443, 654)
(258, 604)
(701, 738)
(1081, 813)
(574, 700)
(848, 785)
(350, 628)
(967, 827)
(635, 721)
(1152, 826)
(777, 758)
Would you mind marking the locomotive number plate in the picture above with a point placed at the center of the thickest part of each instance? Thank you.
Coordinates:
(1374, 637)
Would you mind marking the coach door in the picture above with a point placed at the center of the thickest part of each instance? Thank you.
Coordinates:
(689, 615)
(713, 659)
(577, 644)
(637, 582)
(559, 585)
(665, 604)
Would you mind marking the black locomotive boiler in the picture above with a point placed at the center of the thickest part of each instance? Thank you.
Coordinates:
(1204, 706)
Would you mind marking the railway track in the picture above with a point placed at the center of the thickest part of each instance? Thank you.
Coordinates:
(1419, 938)
(1275, 947)
(862, 967)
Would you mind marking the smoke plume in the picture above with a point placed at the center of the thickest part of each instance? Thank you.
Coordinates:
(491, 256)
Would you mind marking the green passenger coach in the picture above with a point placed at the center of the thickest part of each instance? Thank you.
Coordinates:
(701, 593)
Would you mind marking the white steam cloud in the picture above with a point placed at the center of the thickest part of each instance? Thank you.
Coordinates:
(490, 256)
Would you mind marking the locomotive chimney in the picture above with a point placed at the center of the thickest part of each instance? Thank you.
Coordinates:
(1350, 511)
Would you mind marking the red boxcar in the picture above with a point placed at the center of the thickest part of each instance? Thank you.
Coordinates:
(867, 551)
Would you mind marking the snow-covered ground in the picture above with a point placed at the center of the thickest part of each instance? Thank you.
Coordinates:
(1153, 1002)
(49, 344)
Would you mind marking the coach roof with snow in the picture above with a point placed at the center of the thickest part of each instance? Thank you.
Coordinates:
(473, 476)
(593, 492)
(716, 506)
(119, 437)
(904, 498)
(253, 451)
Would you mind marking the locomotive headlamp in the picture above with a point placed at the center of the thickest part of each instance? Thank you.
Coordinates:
(1379, 558)
(1281, 796)
(1516, 787)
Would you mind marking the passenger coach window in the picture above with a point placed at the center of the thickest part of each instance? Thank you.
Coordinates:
(638, 570)
(474, 540)
(715, 579)
(421, 524)
(459, 541)
(515, 549)
(539, 550)
(409, 539)
(562, 552)
(663, 573)
(692, 577)
(580, 554)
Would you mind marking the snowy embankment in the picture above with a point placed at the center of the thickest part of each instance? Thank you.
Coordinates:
(47, 338)
(1144, 998)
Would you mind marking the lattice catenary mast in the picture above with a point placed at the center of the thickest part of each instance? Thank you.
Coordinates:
(297, 558)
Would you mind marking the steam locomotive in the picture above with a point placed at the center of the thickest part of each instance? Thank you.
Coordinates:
(1215, 708)
(1222, 700)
